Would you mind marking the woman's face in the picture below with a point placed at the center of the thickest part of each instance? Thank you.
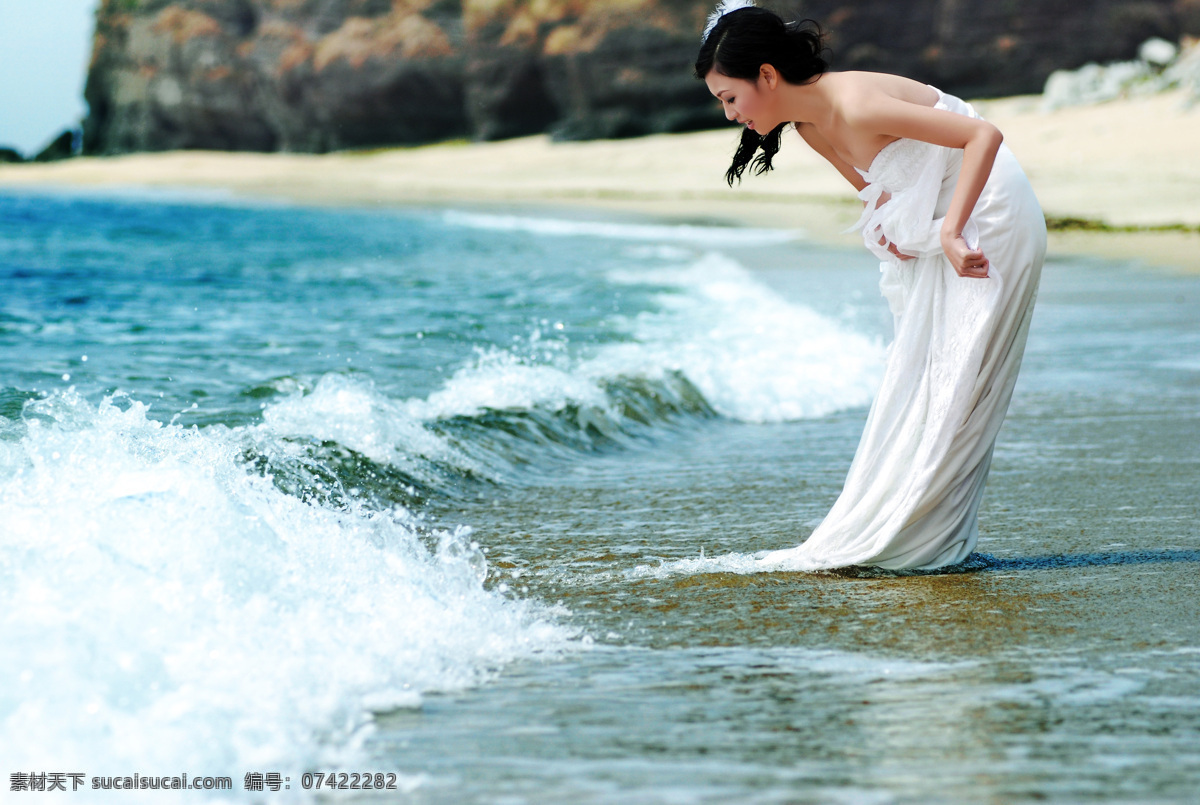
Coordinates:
(747, 102)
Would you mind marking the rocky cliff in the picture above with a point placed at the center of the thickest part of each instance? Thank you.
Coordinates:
(319, 75)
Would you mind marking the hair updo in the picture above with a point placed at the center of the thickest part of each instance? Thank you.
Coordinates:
(739, 44)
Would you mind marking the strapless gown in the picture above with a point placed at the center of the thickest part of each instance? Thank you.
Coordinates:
(912, 495)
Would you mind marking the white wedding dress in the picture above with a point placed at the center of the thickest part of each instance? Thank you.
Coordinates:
(913, 491)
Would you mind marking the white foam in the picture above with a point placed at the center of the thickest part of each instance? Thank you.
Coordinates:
(858, 668)
(1072, 686)
(165, 609)
(502, 381)
(741, 563)
(1187, 364)
(351, 412)
(755, 356)
(703, 236)
(865, 669)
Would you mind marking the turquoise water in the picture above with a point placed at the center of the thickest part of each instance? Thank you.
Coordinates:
(433, 493)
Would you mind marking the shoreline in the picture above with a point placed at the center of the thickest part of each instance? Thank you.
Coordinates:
(1127, 165)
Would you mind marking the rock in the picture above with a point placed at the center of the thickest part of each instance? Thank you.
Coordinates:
(1093, 83)
(10, 155)
(507, 95)
(1185, 72)
(634, 81)
(318, 75)
(264, 75)
(1157, 52)
(61, 147)
(1163, 66)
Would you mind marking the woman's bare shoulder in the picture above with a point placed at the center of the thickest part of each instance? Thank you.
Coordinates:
(856, 87)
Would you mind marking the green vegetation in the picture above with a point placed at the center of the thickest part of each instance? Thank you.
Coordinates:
(1069, 224)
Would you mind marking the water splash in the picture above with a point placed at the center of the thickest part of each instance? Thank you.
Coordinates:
(165, 605)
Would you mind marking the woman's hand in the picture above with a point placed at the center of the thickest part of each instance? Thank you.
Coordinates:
(967, 262)
(884, 198)
(891, 247)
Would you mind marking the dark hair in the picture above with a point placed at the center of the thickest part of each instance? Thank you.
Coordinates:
(743, 41)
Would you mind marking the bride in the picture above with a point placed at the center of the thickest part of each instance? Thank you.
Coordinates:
(962, 240)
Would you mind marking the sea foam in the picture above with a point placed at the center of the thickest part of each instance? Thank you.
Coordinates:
(167, 609)
(754, 355)
(751, 354)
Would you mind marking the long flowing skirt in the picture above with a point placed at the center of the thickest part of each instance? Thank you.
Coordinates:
(913, 491)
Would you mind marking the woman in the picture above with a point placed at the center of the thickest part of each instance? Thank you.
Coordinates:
(962, 238)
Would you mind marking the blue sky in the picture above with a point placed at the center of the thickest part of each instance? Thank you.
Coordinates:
(44, 50)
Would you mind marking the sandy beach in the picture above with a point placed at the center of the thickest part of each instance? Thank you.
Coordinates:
(1126, 164)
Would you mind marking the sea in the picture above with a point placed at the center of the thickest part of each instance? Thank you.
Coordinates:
(438, 506)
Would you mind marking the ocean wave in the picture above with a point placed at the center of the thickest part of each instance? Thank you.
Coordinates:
(754, 355)
(718, 343)
(167, 607)
(344, 438)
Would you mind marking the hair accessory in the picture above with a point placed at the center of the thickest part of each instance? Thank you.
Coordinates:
(723, 8)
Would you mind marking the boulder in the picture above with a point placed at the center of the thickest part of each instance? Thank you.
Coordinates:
(1157, 52)
(1161, 66)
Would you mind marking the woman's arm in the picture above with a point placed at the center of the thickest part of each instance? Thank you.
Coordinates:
(878, 112)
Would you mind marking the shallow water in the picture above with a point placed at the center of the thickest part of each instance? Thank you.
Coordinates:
(1063, 665)
(315, 403)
